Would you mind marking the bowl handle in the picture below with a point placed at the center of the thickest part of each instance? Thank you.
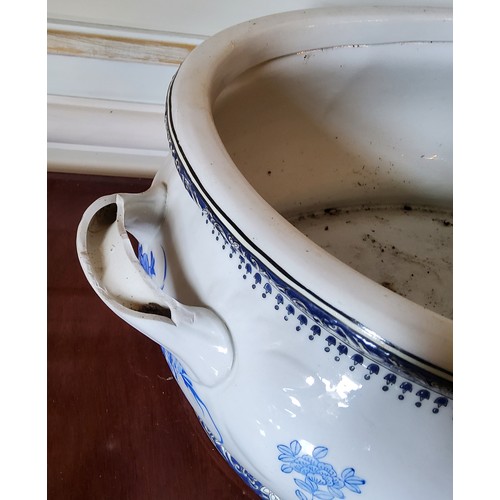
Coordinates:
(132, 288)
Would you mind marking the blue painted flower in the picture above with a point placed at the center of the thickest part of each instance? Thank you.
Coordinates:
(147, 262)
(180, 373)
(320, 480)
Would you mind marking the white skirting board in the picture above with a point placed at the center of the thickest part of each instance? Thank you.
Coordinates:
(106, 97)
(109, 137)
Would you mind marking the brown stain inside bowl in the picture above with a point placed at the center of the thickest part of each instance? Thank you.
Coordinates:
(406, 249)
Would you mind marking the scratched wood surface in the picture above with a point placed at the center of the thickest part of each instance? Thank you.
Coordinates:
(118, 424)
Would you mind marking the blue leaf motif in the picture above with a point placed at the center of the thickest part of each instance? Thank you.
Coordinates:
(351, 481)
(304, 485)
(320, 452)
(286, 469)
(312, 485)
(295, 447)
(353, 487)
(336, 493)
(178, 371)
(323, 495)
(147, 261)
(300, 495)
(285, 450)
(286, 458)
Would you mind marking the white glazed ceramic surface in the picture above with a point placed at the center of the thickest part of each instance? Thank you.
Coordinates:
(312, 379)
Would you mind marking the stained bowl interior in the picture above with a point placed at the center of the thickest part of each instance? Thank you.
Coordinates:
(353, 145)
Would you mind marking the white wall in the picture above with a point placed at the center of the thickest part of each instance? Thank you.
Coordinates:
(198, 17)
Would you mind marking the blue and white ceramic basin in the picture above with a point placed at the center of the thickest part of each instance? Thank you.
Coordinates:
(295, 252)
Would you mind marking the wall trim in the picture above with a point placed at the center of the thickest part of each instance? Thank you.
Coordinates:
(123, 44)
(105, 137)
(105, 97)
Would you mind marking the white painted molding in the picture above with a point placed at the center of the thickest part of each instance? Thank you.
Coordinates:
(117, 43)
(105, 137)
(106, 90)
(95, 78)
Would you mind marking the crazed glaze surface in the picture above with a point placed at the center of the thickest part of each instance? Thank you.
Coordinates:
(303, 397)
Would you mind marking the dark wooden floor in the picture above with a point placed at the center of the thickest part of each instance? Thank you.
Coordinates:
(118, 424)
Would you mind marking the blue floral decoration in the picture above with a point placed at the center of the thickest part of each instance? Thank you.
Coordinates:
(147, 261)
(320, 480)
(180, 374)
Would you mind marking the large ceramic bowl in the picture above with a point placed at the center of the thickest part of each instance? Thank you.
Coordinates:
(294, 257)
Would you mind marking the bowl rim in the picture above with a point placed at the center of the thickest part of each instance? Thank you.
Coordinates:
(419, 340)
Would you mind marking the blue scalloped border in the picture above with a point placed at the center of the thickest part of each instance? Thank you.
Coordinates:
(410, 376)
